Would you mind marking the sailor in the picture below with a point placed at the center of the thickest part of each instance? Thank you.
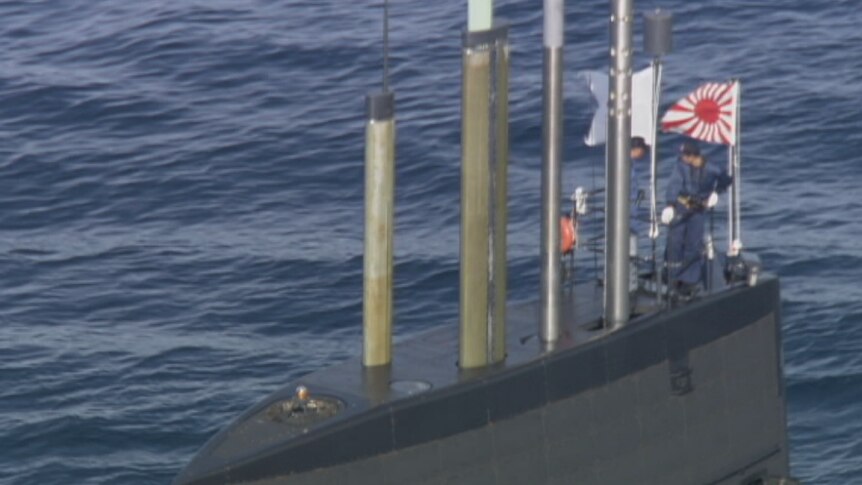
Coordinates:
(638, 213)
(693, 189)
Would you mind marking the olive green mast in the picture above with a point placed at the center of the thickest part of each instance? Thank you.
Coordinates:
(379, 218)
(484, 162)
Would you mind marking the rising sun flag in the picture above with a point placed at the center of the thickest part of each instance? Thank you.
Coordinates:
(709, 114)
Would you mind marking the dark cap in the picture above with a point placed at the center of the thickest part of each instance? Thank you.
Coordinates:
(639, 142)
(690, 148)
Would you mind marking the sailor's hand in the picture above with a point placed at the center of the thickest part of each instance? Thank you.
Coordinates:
(667, 215)
(712, 200)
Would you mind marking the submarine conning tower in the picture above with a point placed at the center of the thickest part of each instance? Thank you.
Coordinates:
(601, 382)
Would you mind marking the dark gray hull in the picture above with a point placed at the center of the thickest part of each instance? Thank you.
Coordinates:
(693, 395)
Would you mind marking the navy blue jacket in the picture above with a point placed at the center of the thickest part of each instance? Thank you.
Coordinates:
(639, 211)
(688, 181)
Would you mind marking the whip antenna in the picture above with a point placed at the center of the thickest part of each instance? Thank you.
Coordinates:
(385, 45)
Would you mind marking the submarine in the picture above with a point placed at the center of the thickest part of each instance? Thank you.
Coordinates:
(616, 381)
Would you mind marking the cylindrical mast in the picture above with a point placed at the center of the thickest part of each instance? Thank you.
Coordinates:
(379, 218)
(618, 167)
(484, 162)
(379, 209)
(552, 137)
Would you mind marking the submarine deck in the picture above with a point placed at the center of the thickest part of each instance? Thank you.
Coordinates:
(424, 396)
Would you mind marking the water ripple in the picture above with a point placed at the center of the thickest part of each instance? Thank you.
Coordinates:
(181, 229)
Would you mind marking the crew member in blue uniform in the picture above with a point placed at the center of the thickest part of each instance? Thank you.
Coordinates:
(693, 189)
(639, 215)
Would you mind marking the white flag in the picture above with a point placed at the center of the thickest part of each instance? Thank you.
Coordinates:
(643, 124)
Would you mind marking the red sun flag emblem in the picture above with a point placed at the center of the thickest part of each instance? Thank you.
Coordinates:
(708, 114)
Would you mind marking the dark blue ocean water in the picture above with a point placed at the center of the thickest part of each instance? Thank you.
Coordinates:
(181, 204)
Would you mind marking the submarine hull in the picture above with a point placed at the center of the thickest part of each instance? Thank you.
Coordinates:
(693, 395)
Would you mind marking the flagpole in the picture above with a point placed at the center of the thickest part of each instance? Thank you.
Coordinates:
(653, 216)
(734, 242)
(658, 41)
(731, 201)
(737, 182)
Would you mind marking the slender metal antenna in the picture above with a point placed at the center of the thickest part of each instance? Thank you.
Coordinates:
(385, 45)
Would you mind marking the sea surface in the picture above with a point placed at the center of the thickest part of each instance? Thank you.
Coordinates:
(181, 193)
